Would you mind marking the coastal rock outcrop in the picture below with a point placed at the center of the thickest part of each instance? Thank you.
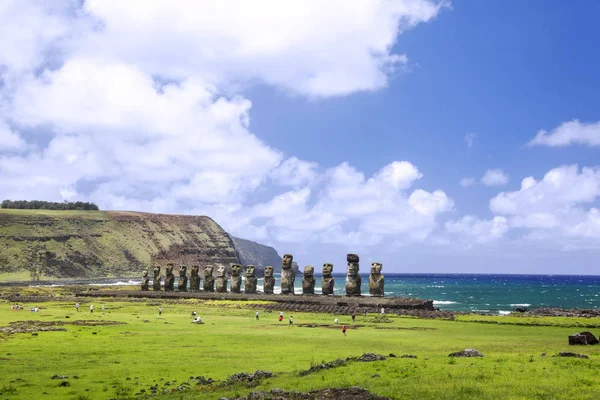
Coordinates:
(308, 280)
(353, 279)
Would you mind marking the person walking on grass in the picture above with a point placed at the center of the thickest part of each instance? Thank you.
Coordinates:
(291, 320)
(344, 330)
(77, 306)
(353, 316)
(91, 308)
(257, 315)
(103, 308)
(159, 310)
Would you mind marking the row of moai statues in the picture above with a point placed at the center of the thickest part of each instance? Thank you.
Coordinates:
(288, 278)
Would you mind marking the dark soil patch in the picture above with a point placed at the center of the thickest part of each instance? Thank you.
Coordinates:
(412, 328)
(351, 393)
(46, 326)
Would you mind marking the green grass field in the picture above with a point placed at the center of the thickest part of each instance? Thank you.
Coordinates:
(119, 361)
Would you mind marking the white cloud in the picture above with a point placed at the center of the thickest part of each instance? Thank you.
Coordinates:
(569, 133)
(467, 182)
(494, 177)
(560, 189)
(470, 139)
(295, 172)
(10, 140)
(481, 231)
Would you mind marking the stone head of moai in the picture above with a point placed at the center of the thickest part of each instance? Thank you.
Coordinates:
(327, 269)
(182, 270)
(286, 262)
(376, 268)
(195, 270)
(169, 270)
(250, 271)
(309, 270)
(352, 258)
(236, 269)
(221, 271)
(268, 271)
(208, 271)
(156, 270)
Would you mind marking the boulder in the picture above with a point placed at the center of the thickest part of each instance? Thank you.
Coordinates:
(368, 357)
(591, 339)
(577, 339)
(466, 353)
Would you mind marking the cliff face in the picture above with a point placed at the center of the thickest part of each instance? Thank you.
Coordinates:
(252, 253)
(101, 244)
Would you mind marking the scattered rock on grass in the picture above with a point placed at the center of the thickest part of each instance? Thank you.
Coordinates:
(577, 340)
(244, 377)
(408, 356)
(466, 353)
(368, 357)
(60, 377)
(327, 365)
(351, 393)
(569, 354)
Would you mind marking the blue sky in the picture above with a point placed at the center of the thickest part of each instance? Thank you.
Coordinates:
(348, 133)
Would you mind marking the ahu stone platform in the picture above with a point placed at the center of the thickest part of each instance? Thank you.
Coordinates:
(315, 303)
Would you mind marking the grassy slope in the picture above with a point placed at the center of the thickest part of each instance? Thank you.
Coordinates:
(150, 348)
(112, 243)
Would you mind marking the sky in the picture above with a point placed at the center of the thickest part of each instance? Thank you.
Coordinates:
(429, 135)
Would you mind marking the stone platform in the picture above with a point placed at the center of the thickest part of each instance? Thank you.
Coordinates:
(309, 302)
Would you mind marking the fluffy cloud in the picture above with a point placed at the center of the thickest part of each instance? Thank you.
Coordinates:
(494, 177)
(467, 182)
(10, 140)
(480, 231)
(568, 133)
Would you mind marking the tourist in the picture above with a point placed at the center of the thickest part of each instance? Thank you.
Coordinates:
(193, 313)
(159, 310)
(91, 308)
(335, 321)
(291, 320)
(344, 330)
(77, 306)
(365, 311)
(382, 311)
(280, 318)
(257, 315)
(353, 316)
(103, 308)
(281, 314)
(197, 320)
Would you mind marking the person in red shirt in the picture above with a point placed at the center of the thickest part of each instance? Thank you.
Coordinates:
(344, 330)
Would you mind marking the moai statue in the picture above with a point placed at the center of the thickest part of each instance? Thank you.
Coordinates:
(250, 285)
(269, 282)
(236, 278)
(376, 280)
(209, 279)
(145, 281)
(169, 278)
(183, 279)
(156, 279)
(327, 281)
(195, 279)
(221, 280)
(353, 279)
(288, 276)
(308, 280)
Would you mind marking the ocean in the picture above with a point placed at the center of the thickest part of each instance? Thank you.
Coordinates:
(481, 293)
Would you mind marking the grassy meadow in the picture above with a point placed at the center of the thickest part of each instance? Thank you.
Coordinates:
(119, 361)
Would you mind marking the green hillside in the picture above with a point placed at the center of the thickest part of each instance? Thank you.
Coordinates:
(47, 243)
